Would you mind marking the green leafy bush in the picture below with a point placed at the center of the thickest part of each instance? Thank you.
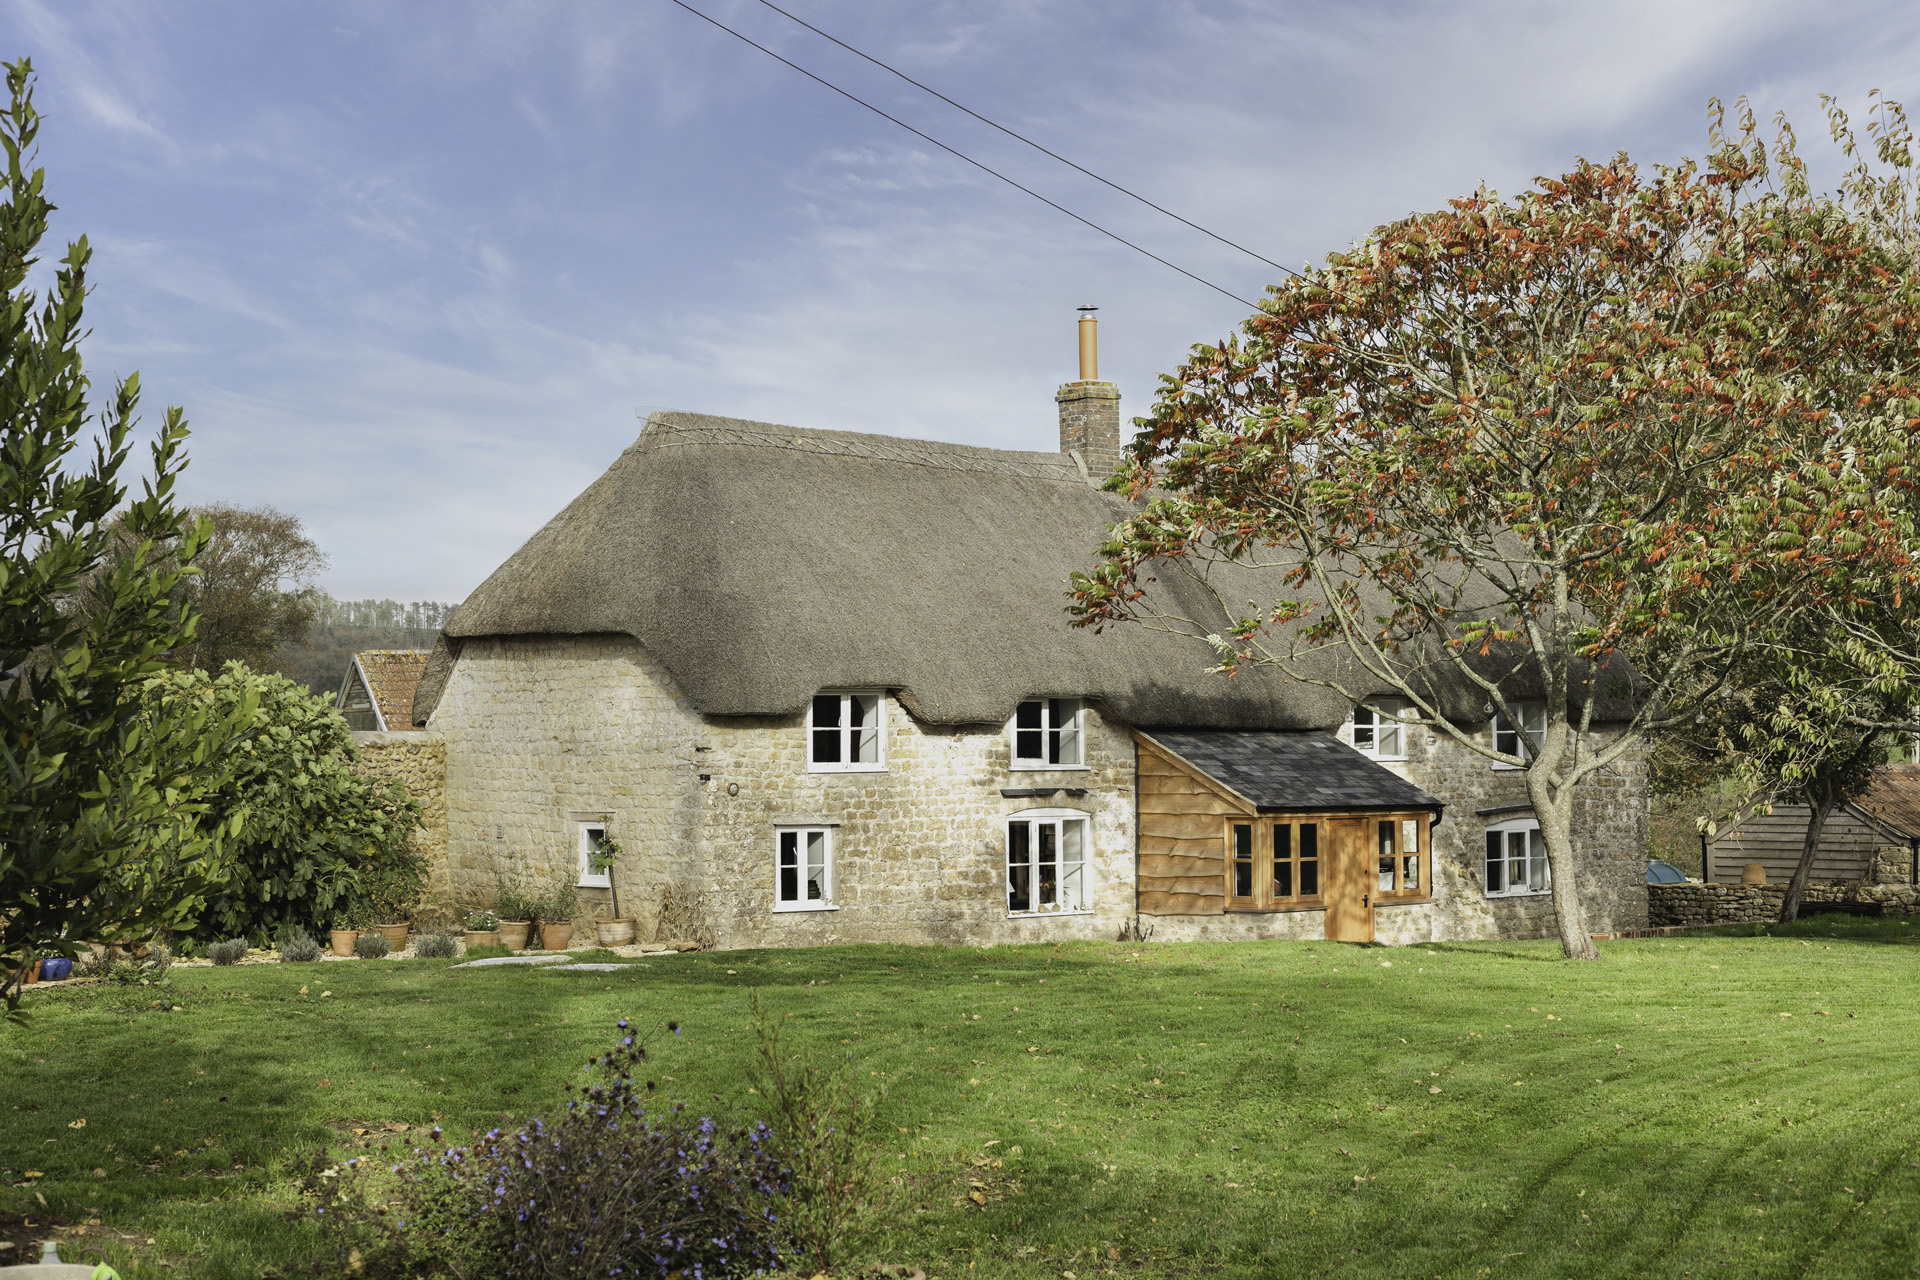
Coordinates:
(436, 946)
(371, 945)
(298, 947)
(511, 902)
(311, 836)
(229, 951)
(482, 922)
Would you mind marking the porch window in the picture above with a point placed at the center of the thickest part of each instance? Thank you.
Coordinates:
(846, 733)
(1296, 862)
(1517, 860)
(803, 869)
(1047, 863)
(1047, 734)
(1401, 862)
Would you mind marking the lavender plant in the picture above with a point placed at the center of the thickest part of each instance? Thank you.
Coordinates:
(605, 1188)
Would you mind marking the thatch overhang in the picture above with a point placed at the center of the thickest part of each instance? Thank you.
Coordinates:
(762, 563)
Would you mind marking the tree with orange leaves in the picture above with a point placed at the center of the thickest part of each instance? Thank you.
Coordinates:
(1582, 449)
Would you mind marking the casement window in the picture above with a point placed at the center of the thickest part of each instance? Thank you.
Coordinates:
(1403, 860)
(1047, 855)
(1273, 866)
(1517, 860)
(847, 733)
(1376, 731)
(591, 836)
(1523, 739)
(803, 869)
(1047, 734)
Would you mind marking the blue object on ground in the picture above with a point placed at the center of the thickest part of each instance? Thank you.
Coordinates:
(1660, 871)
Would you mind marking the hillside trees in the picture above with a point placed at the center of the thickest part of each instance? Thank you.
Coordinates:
(87, 776)
(254, 590)
(1571, 453)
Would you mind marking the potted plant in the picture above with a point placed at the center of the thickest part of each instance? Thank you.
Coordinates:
(347, 924)
(556, 913)
(617, 932)
(516, 912)
(392, 891)
(483, 929)
(396, 935)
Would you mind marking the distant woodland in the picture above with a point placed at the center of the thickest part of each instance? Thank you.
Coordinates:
(341, 628)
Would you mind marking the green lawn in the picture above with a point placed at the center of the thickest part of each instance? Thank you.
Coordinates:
(1706, 1106)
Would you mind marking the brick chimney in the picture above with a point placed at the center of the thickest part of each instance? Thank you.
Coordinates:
(1090, 408)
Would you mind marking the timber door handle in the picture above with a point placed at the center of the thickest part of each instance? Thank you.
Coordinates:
(1366, 900)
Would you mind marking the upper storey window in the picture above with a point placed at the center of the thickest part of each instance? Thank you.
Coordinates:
(1048, 734)
(847, 733)
(1523, 738)
(1377, 730)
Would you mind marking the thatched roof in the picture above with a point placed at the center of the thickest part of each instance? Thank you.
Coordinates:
(763, 563)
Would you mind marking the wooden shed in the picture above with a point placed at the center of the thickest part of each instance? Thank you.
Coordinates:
(1774, 839)
(1258, 821)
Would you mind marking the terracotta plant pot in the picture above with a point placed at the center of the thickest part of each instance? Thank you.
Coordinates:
(482, 938)
(1753, 873)
(614, 933)
(396, 936)
(513, 934)
(556, 937)
(343, 940)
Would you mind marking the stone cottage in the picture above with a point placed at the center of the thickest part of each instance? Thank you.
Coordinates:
(824, 683)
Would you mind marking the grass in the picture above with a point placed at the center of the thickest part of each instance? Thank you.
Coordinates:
(1737, 1103)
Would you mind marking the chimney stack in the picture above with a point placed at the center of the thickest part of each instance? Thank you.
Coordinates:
(1090, 408)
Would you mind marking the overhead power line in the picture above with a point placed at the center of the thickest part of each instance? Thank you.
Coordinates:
(994, 124)
(961, 155)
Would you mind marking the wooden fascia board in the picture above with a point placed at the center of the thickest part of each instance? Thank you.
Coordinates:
(1213, 784)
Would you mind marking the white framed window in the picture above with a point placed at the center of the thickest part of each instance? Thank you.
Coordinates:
(1047, 872)
(1517, 860)
(591, 834)
(1524, 739)
(847, 733)
(1048, 733)
(1375, 729)
(803, 869)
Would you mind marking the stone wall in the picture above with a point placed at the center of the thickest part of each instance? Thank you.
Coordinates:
(418, 762)
(543, 732)
(1704, 904)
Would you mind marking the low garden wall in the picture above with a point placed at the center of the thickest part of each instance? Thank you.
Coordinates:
(1696, 904)
(418, 762)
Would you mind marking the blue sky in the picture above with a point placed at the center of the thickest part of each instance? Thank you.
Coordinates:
(412, 268)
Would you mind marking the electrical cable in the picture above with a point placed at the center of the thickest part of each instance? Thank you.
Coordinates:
(1132, 195)
(969, 159)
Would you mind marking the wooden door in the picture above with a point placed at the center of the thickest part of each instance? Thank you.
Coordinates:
(1350, 880)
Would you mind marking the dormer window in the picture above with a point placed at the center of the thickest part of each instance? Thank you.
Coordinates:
(1047, 734)
(1524, 738)
(1376, 729)
(846, 733)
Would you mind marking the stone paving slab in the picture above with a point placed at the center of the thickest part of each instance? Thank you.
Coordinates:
(493, 960)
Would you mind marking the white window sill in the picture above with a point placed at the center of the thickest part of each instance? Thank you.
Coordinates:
(1050, 768)
(845, 768)
(594, 882)
(1046, 915)
(1522, 893)
(1497, 767)
(785, 908)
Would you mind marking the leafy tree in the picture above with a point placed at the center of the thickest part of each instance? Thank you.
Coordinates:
(254, 591)
(1577, 449)
(87, 775)
(310, 836)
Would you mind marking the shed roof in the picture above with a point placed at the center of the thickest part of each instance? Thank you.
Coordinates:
(392, 676)
(1293, 772)
(762, 563)
(1893, 797)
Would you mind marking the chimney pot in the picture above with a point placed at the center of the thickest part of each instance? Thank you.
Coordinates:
(1090, 408)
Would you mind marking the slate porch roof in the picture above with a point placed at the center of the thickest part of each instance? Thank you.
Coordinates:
(1293, 771)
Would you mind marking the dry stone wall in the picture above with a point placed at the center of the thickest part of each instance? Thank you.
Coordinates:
(1705, 904)
(418, 762)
